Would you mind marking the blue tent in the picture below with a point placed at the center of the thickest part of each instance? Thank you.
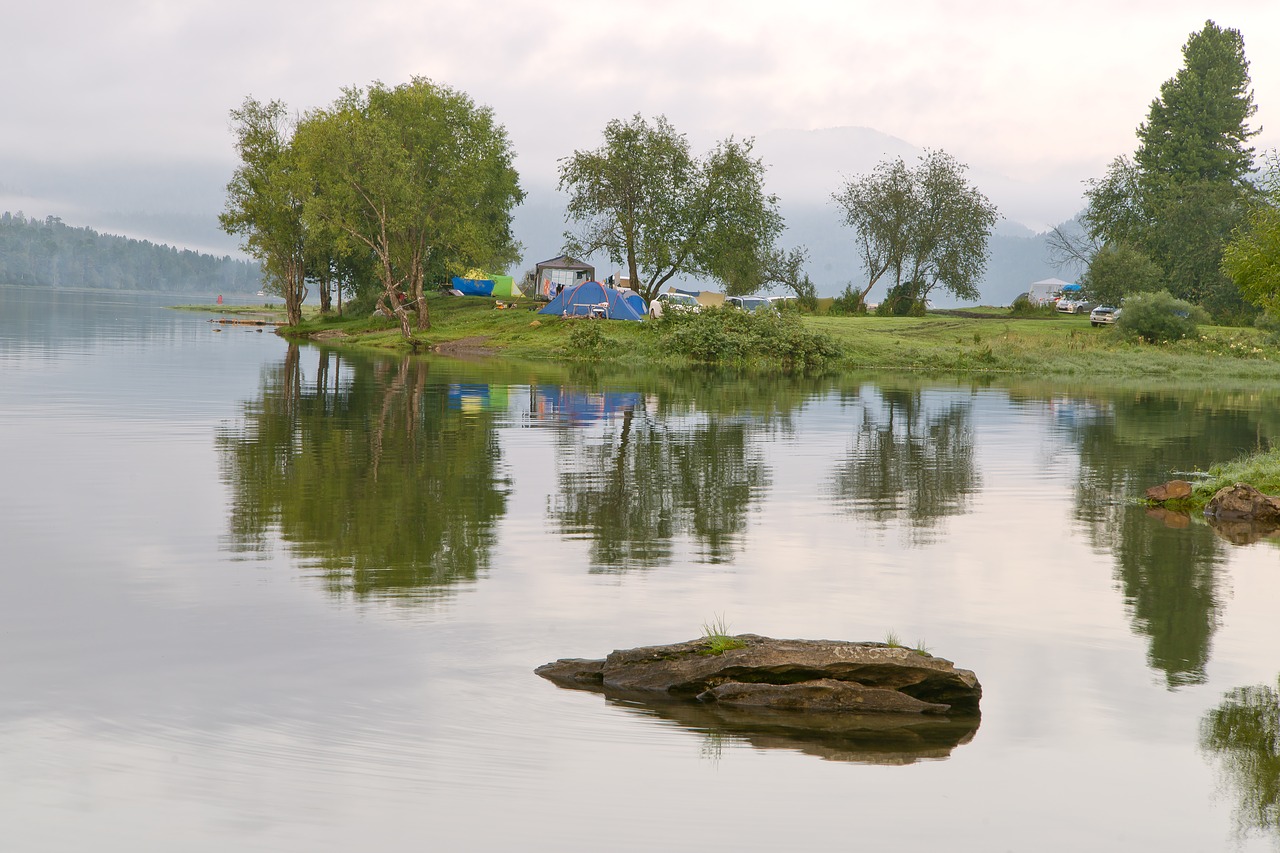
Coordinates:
(593, 299)
(473, 286)
(636, 301)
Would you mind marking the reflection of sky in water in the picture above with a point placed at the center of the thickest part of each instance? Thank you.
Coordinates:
(163, 692)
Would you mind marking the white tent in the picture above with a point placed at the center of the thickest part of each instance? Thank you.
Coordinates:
(1046, 290)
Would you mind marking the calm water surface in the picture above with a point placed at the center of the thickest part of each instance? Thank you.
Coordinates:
(263, 598)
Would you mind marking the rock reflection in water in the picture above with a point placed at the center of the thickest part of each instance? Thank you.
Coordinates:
(889, 739)
(1235, 531)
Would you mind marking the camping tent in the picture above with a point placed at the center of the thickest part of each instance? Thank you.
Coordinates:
(593, 299)
(1047, 290)
(501, 286)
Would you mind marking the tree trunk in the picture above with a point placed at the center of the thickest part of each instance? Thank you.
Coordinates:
(326, 292)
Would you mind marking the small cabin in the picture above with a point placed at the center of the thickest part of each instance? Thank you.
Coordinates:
(554, 275)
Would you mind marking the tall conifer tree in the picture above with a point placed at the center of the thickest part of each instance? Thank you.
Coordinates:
(1187, 187)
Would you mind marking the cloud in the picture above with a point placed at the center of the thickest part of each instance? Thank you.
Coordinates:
(1042, 95)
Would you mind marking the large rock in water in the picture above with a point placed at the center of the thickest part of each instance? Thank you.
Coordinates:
(1242, 502)
(1172, 490)
(797, 675)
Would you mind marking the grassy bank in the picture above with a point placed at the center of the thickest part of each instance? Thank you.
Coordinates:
(1260, 470)
(980, 341)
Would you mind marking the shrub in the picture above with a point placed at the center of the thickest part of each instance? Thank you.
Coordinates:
(587, 340)
(1023, 307)
(848, 303)
(1269, 325)
(901, 301)
(730, 336)
(1158, 318)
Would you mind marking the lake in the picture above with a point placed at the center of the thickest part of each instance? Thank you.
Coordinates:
(262, 597)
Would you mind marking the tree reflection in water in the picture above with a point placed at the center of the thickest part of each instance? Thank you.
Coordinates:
(372, 477)
(1168, 566)
(659, 469)
(912, 460)
(1243, 733)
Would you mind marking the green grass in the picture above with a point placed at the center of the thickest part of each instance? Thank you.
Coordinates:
(978, 341)
(715, 634)
(1260, 470)
(892, 640)
(1062, 346)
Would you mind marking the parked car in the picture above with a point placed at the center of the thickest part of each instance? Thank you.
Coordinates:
(748, 303)
(679, 302)
(1103, 315)
(1074, 306)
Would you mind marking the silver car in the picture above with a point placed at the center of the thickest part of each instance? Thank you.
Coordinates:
(1103, 315)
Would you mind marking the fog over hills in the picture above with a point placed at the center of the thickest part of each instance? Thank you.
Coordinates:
(177, 203)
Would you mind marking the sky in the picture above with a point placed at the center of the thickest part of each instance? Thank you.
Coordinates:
(122, 107)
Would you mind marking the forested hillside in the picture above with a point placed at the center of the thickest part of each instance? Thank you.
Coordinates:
(48, 253)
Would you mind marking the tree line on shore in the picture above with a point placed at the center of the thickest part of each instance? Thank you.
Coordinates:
(48, 253)
(389, 191)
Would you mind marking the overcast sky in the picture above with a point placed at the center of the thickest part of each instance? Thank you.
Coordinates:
(1043, 94)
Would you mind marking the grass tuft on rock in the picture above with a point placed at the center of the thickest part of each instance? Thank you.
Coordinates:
(715, 633)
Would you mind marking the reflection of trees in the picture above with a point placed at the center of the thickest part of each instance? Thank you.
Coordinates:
(646, 481)
(371, 477)
(1170, 579)
(1169, 574)
(1244, 733)
(909, 460)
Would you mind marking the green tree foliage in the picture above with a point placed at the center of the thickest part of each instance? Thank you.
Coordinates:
(902, 300)
(645, 200)
(1252, 259)
(50, 253)
(1187, 186)
(1118, 270)
(778, 267)
(1196, 130)
(848, 303)
(925, 225)
(418, 177)
(265, 198)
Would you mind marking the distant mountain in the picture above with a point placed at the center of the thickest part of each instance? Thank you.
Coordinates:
(172, 203)
(49, 253)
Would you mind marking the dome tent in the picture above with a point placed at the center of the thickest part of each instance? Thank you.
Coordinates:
(593, 299)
